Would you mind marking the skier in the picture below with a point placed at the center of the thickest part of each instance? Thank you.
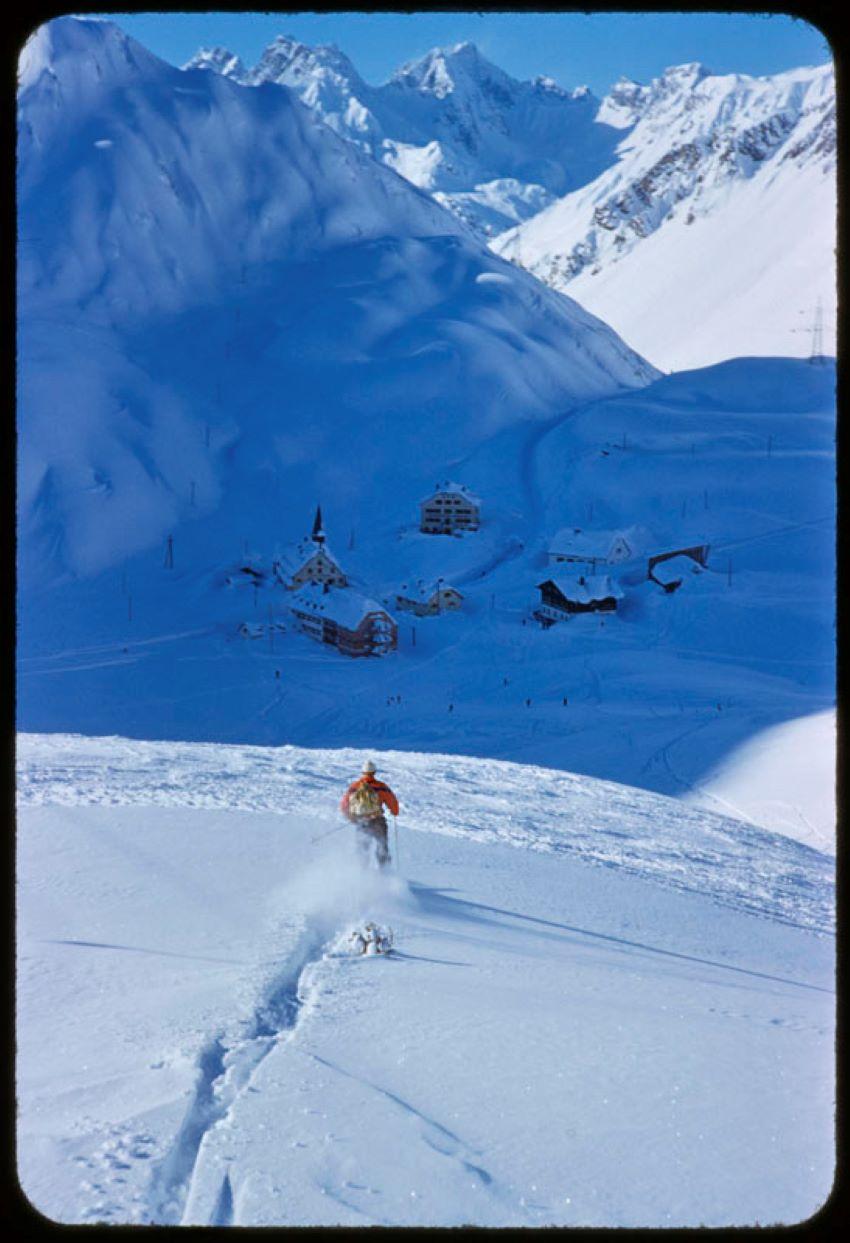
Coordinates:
(363, 803)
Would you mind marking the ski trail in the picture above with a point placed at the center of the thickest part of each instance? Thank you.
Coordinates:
(224, 1073)
(223, 1211)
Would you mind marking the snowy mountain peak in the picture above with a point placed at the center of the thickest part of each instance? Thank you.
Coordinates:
(688, 74)
(287, 59)
(82, 54)
(220, 60)
(444, 71)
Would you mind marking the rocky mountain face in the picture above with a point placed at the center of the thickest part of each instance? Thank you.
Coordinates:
(491, 149)
(689, 135)
(718, 211)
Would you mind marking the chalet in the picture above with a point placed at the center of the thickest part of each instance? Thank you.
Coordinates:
(561, 596)
(345, 620)
(451, 509)
(695, 552)
(310, 562)
(577, 546)
(670, 572)
(426, 600)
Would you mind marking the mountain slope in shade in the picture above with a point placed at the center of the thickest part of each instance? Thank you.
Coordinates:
(493, 150)
(712, 235)
(215, 290)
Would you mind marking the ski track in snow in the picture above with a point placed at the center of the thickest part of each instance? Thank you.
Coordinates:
(524, 806)
(225, 1072)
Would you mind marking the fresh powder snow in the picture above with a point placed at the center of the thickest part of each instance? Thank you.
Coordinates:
(602, 1008)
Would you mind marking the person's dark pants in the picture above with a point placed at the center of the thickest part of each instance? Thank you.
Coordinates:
(372, 835)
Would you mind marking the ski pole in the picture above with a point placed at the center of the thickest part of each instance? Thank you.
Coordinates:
(395, 828)
(335, 829)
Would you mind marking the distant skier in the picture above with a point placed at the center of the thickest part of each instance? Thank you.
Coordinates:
(363, 803)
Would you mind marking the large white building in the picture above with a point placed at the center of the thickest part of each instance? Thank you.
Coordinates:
(451, 508)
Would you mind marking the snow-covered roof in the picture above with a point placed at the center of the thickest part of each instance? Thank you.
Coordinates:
(673, 568)
(346, 607)
(448, 486)
(420, 590)
(583, 589)
(596, 544)
(294, 556)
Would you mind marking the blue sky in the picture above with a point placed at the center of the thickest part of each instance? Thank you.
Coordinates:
(573, 48)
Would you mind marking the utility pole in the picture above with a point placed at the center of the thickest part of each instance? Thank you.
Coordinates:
(169, 553)
(413, 635)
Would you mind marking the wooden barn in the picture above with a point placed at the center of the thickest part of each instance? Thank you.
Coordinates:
(309, 562)
(428, 599)
(561, 597)
(451, 509)
(346, 620)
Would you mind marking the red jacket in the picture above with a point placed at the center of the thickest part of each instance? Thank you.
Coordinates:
(384, 792)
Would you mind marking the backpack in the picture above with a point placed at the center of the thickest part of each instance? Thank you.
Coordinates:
(364, 802)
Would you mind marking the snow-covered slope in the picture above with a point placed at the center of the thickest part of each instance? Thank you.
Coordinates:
(494, 150)
(215, 290)
(606, 1009)
(712, 233)
(740, 456)
(229, 315)
(783, 779)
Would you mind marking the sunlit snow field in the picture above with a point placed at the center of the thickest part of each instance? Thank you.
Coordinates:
(603, 1008)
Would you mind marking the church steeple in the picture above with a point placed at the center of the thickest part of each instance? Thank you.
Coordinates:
(318, 533)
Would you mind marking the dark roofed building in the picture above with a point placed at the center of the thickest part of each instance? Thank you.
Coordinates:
(562, 596)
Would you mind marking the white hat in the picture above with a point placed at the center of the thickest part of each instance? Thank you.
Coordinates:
(370, 766)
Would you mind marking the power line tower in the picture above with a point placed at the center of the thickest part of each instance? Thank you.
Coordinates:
(816, 356)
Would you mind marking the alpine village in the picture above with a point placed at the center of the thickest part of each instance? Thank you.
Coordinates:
(590, 573)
